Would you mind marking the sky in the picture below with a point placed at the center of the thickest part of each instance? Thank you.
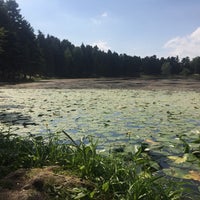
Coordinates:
(135, 27)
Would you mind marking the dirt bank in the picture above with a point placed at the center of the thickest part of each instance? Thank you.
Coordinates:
(39, 184)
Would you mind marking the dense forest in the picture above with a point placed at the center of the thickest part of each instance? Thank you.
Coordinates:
(24, 54)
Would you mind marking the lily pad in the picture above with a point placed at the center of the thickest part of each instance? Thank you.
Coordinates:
(156, 119)
(150, 141)
(178, 159)
(195, 175)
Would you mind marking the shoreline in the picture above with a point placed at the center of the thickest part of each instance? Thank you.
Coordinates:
(109, 83)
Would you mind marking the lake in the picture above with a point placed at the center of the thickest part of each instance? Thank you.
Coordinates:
(165, 121)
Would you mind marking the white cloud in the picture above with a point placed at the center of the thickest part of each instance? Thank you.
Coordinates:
(188, 45)
(105, 14)
(99, 19)
(96, 21)
(101, 45)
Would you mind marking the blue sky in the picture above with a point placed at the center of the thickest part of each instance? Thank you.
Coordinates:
(135, 27)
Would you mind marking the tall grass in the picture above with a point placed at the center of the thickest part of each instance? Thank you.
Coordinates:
(114, 176)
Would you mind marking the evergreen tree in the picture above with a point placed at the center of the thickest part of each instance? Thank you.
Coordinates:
(151, 65)
(23, 54)
(2, 39)
(166, 68)
(195, 65)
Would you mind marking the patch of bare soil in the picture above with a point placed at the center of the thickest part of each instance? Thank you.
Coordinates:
(111, 83)
(38, 184)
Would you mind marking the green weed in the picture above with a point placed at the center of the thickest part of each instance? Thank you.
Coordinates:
(114, 176)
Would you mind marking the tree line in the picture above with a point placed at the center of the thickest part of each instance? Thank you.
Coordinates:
(24, 54)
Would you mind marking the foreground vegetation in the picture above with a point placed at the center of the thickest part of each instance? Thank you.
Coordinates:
(111, 176)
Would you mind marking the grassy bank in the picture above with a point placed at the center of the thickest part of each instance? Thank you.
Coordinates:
(104, 176)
